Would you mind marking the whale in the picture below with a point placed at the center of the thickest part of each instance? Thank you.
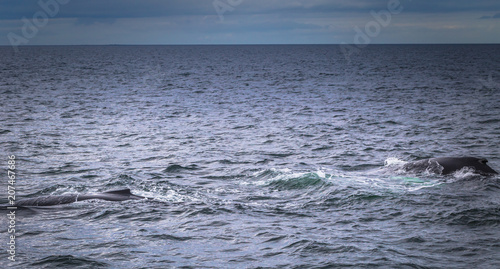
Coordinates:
(450, 165)
(51, 200)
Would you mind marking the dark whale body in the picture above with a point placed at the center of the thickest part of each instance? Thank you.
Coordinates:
(448, 165)
(118, 195)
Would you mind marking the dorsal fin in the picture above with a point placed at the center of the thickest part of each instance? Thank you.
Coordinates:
(121, 192)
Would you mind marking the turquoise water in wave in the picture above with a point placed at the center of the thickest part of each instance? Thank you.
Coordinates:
(254, 156)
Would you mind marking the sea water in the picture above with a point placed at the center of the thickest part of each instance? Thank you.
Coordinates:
(281, 156)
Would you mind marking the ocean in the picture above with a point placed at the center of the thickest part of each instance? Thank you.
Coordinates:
(258, 156)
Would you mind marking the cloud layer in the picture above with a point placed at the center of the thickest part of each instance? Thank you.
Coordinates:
(248, 21)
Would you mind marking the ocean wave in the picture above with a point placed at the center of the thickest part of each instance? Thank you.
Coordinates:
(285, 179)
(55, 261)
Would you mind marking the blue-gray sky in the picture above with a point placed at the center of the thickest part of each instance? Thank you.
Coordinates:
(60, 22)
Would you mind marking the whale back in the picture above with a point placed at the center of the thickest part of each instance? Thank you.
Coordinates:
(116, 195)
(449, 165)
(48, 200)
(452, 164)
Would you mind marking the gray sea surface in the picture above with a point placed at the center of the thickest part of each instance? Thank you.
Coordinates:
(284, 156)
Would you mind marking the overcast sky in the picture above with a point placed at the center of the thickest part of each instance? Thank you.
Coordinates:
(248, 21)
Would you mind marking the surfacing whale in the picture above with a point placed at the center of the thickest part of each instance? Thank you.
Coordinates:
(117, 195)
(449, 165)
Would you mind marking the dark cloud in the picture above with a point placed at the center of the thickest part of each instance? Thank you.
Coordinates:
(16, 9)
(496, 16)
(365, 6)
(448, 6)
(91, 21)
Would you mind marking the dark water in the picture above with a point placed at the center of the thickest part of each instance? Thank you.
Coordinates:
(255, 156)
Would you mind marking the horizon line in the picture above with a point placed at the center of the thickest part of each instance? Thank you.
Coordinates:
(254, 44)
